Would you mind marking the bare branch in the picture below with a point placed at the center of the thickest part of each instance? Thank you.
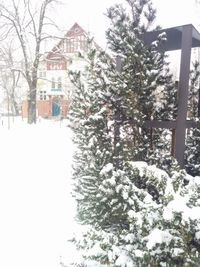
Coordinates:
(32, 20)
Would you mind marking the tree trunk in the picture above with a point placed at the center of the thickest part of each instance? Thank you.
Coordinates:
(32, 104)
(14, 105)
(16, 108)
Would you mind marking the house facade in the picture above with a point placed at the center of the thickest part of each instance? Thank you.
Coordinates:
(54, 86)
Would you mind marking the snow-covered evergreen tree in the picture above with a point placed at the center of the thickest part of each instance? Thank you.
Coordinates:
(149, 91)
(192, 155)
(137, 215)
(89, 120)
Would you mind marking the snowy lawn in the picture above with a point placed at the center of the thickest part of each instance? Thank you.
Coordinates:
(36, 208)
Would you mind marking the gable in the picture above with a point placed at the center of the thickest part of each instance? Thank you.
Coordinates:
(75, 40)
(75, 31)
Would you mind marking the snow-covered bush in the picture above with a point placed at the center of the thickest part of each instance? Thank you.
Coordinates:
(154, 219)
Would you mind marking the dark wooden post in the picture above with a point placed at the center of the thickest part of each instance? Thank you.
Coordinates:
(173, 142)
(183, 94)
(199, 103)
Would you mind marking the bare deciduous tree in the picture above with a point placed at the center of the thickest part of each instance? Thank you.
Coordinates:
(29, 24)
(9, 77)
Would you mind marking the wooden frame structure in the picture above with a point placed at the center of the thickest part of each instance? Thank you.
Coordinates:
(182, 38)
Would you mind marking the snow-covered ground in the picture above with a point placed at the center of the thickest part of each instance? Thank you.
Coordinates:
(36, 208)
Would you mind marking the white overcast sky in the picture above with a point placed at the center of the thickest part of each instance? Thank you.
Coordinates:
(89, 14)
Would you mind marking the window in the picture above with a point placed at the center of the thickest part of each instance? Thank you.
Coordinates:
(43, 95)
(53, 84)
(42, 74)
(76, 30)
(59, 83)
(72, 44)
